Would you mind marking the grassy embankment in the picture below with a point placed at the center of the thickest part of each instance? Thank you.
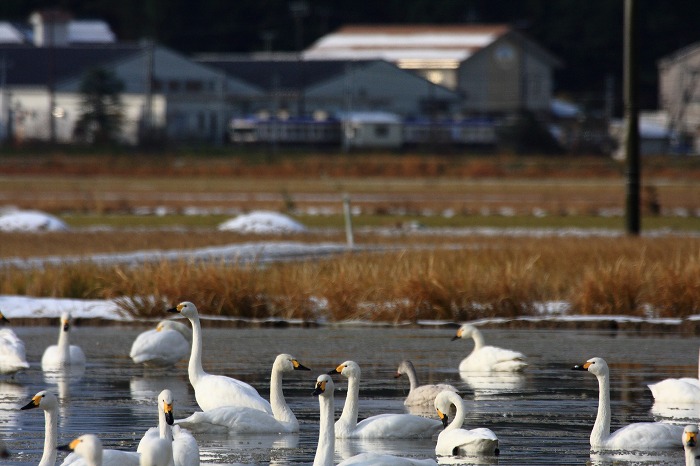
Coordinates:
(481, 277)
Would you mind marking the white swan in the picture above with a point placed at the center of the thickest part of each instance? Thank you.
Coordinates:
(13, 357)
(455, 441)
(419, 394)
(184, 448)
(675, 392)
(248, 420)
(163, 346)
(641, 436)
(87, 451)
(382, 425)
(49, 403)
(326, 435)
(159, 453)
(213, 391)
(488, 358)
(64, 354)
(690, 444)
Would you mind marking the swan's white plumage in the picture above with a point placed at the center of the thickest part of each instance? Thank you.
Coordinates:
(63, 354)
(159, 453)
(379, 426)
(48, 402)
(673, 392)
(163, 346)
(13, 356)
(87, 451)
(690, 444)
(213, 391)
(485, 358)
(326, 437)
(249, 420)
(456, 441)
(185, 451)
(420, 394)
(641, 436)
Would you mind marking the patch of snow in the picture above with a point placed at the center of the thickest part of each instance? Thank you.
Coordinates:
(30, 220)
(262, 221)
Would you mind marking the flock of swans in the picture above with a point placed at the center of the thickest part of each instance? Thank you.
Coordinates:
(232, 406)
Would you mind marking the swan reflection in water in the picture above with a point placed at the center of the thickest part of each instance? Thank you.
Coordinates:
(62, 378)
(489, 383)
(248, 448)
(347, 448)
(145, 389)
(12, 396)
(467, 460)
(663, 411)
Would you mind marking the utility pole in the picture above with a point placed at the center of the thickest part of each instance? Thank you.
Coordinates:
(631, 120)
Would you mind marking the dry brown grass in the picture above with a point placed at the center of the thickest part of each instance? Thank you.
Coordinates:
(495, 277)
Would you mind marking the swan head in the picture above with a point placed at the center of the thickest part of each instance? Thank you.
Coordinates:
(3, 318)
(165, 404)
(186, 309)
(443, 402)
(65, 321)
(324, 386)
(44, 400)
(596, 366)
(405, 367)
(86, 446)
(288, 363)
(465, 331)
(690, 436)
(348, 369)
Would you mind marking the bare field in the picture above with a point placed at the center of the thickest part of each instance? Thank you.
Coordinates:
(479, 276)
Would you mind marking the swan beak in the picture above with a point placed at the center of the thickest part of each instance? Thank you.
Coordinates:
(32, 404)
(169, 416)
(298, 366)
(581, 367)
(458, 336)
(690, 439)
(397, 375)
(443, 418)
(66, 325)
(320, 388)
(3, 318)
(174, 309)
(337, 370)
(70, 447)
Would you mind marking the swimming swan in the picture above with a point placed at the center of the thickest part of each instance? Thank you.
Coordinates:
(212, 391)
(690, 444)
(639, 436)
(87, 451)
(326, 435)
(382, 425)
(488, 358)
(64, 354)
(455, 441)
(248, 420)
(184, 448)
(49, 403)
(163, 346)
(13, 357)
(419, 394)
(681, 391)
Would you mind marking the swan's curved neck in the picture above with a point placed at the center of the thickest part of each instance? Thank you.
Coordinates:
(412, 378)
(64, 344)
(326, 433)
(459, 413)
(478, 339)
(194, 369)
(601, 428)
(349, 416)
(690, 454)
(280, 410)
(48, 458)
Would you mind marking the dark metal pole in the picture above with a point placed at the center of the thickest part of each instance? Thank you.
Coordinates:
(631, 120)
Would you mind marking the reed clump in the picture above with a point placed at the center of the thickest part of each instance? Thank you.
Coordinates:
(465, 280)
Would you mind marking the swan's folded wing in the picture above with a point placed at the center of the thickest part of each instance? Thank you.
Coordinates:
(425, 394)
(164, 347)
(466, 442)
(644, 436)
(232, 419)
(397, 426)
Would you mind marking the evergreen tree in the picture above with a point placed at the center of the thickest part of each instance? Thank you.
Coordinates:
(101, 108)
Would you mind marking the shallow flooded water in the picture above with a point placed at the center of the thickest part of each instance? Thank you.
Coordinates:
(543, 417)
